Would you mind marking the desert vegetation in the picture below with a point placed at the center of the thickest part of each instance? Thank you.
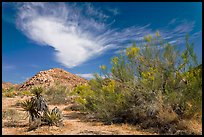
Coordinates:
(38, 111)
(152, 84)
(57, 94)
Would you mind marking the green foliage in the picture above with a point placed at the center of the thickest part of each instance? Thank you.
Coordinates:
(53, 117)
(25, 93)
(37, 91)
(57, 94)
(146, 84)
(12, 117)
(102, 99)
(11, 89)
(38, 110)
(9, 93)
(27, 105)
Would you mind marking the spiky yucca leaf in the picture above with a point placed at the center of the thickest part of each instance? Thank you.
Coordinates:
(27, 105)
(53, 117)
(37, 91)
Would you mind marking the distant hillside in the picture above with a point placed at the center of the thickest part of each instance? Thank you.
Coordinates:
(6, 85)
(50, 77)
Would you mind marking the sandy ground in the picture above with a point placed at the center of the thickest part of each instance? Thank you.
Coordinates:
(75, 123)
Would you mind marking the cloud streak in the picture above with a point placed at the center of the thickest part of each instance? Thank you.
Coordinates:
(87, 76)
(80, 33)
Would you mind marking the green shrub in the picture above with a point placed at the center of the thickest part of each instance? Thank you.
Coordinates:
(152, 85)
(57, 94)
(104, 101)
(11, 89)
(25, 93)
(11, 117)
(10, 94)
(53, 117)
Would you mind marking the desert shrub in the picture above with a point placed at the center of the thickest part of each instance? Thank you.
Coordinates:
(57, 94)
(102, 99)
(11, 89)
(38, 110)
(150, 84)
(9, 114)
(11, 117)
(10, 93)
(25, 93)
(53, 117)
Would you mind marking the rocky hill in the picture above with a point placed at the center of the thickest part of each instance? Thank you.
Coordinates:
(6, 85)
(52, 76)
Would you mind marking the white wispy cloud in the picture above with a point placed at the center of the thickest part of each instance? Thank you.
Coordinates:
(80, 33)
(114, 11)
(87, 76)
(172, 21)
(75, 37)
(92, 11)
(177, 29)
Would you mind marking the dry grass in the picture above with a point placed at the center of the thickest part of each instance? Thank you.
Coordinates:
(75, 123)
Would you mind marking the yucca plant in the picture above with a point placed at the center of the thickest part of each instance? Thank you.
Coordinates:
(53, 117)
(37, 91)
(39, 112)
(35, 105)
(28, 106)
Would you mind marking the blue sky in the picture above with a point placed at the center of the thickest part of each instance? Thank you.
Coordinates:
(79, 37)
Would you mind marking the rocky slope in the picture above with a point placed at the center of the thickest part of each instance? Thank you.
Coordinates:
(52, 76)
(6, 85)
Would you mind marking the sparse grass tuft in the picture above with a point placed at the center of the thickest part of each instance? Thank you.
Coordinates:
(57, 94)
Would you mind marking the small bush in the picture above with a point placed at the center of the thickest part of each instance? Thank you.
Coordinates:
(57, 94)
(25, 93)
(10, 94)
(105, 102)
(11, 89)
(53, 117)
(12, 117)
